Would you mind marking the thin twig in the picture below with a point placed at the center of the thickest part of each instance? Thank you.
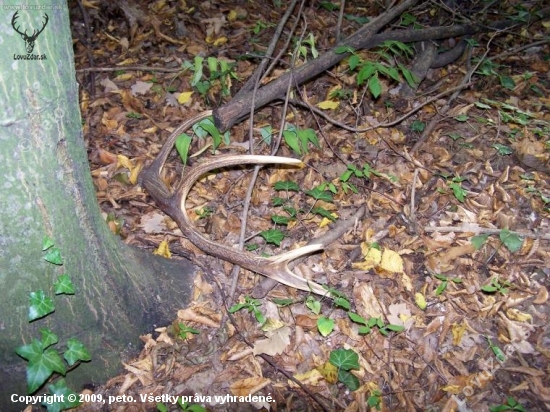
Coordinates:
(479, 230)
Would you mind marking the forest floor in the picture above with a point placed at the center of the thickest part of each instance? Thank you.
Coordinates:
(444, 279)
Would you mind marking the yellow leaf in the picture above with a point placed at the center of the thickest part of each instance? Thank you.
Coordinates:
(372, 257)
(457, 331)
(124, 162)
(328, 104)
(272, 324)
(232, 15)
(184, 97)
(391, 261)
(220, 41)
(515, 314)
(326, 221)
(127, 62)
(455, 389)
(124, 76)
(546, 24)
(420, 300)
(163, 250)
(329, 372)
(135, 173)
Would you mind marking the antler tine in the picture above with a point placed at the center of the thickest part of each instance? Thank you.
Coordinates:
(275, 267)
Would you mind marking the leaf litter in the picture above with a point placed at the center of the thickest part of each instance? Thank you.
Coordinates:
(482, 337)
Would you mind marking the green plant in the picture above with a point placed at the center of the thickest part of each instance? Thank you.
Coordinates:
(220, 72)
(346, 360)
(510, 405)
(512, 241)
(185, 406)
(455, 184)
(490, 68)
(365, 172)
(418, 126)
(298, 139)
(204, 212)
(202, 130)
(43, 360)
(370, 72)
(251, 305)
(183, 330)
(499, 354)
(444, 282)
(367, 326)
(375, 399)
(496, 286)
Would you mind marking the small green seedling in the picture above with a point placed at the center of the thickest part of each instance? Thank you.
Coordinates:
(499, 354)
(204, 212)
(496, 286)
(444, 283)
(251, 305)
(367, 326)
(183, 330)
(510, 405)
(185, 406)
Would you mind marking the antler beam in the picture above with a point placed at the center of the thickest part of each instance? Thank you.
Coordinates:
(173, 204)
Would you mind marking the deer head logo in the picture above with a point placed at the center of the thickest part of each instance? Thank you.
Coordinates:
(29, 40)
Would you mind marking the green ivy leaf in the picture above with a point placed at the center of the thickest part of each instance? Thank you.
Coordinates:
(348, 379)
(75, 352)
(47, 243)
(511, 240)
(502, 150)
(323, 212)
(31, 352)
(48, 337)
(274, 236)
(478, 241)
(60, 389)
(281, 220)
(39, 305)
(64, 285)
(53, 255)
(325, 326)
(345, 359)
(507, 82)
(39, 370)
(287, 185)
(278, 201)
(319, 194)
(313, 304)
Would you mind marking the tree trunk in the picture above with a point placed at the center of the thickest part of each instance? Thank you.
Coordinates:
(120, 292)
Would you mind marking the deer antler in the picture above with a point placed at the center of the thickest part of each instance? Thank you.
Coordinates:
(173, 203)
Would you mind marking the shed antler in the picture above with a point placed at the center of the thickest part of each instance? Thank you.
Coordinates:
(173, 204)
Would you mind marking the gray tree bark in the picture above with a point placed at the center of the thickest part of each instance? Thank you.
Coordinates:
(46, 189)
